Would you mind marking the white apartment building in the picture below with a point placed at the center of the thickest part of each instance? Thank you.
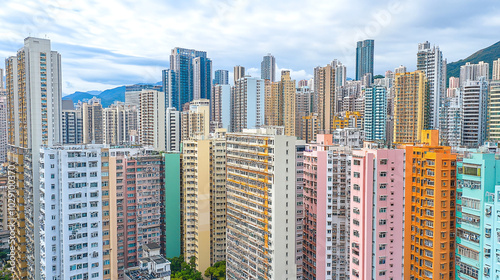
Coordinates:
(71, 232)
(261, 204)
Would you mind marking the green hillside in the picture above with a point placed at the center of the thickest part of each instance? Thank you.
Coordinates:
(487, 55)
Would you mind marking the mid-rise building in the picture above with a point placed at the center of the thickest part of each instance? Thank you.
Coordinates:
(364, 58)
(247, 104)
(349, 137)
(153, 266)
(474, 102)
(431, 62)
(411, 106)
(327, 176)
(375, 113)
(261, 205)
(476, 238)
(377, 178)
(429, 244)
(204, 200)
(33, 84)
(71, 213)
(268, 68)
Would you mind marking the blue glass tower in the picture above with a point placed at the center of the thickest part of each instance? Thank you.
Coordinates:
(364, 58)
(221, 77)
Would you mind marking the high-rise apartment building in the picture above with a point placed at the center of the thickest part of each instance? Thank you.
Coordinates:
(303, 107)
(324, 79)
(1, 79)
(474, 102)
(340, 73)
(204, 200)
(364, 58)
(273, 111)
(431, 62)
(193, 77)
(136, 185)
(451, 122)
(477, 230)
(309, 128)
(300, 148)
(247, 104)
(496, 70)
(195, 121)
(172, 130)
(351, 137)
(220, 107)
(172, 223)
(132, 93)
(268, 68)
(261, 209)
(239, 72)
(493, 126)
(33, 84)
(71, 213)
(430, 173)
(170, 88)
(152, 119)
(377, 178)
(288, 90)
(327, 177)
(92, 121)
(375, 113)
(119, 121)
(411, 106)
(472, 72)
(72, 124)
(221, 77)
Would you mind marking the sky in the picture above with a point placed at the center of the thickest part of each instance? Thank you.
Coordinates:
(108, 43)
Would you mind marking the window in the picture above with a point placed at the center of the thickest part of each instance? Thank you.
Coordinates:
(383, 161)
(383, 174)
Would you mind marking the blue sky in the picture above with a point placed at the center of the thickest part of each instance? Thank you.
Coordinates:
(110, 43)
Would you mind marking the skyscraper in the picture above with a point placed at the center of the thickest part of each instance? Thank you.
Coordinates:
(431, 62)
(377, 177)
(34, 119)
(410, 106)
(220, 107)
(429, 249)
(152, 119)
(261, 205)
(364, 58)
(239, 72)
(221, 77)
(247, 104)
(268, 68)
(375, 113)
(193, 77)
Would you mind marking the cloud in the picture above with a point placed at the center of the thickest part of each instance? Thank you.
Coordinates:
(111, 43)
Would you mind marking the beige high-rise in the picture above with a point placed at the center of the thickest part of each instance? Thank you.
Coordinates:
(411, 106)
(324, 78)
(92, 119)
(119, 120)
(288, 91)
(195, 121)
(204, 200)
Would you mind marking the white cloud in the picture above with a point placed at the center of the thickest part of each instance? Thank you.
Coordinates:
(300, 34)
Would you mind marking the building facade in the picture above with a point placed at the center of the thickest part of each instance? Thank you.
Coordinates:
(364, 58)
(247, 104)
(268, 68)
(375, 113)
(474, 102)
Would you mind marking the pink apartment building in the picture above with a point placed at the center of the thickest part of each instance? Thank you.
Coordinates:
(326, 210)
(377, 207)
(139, 181)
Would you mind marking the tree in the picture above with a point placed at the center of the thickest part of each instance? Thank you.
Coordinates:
(217, 271)
(182, 270)
(378, 76)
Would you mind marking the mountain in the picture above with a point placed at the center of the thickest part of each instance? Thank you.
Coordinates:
(107, 97)
(487, 55)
